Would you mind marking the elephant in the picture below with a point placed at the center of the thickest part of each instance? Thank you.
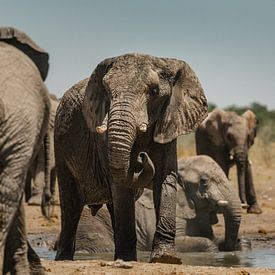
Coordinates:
(36, 176)
(203, 191)
(24, 116)
(130, 104)
(227, 137)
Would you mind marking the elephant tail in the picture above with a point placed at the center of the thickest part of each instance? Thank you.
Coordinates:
(47, 200)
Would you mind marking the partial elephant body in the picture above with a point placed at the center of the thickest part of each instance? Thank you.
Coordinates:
(196, 213)
(103, 123)
(227, 137)
(23, 126)
(36, 175)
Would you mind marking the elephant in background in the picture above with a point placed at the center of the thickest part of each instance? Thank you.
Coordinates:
(226, 137)
(24, 116)
(36, 176)
(203, 191)
(131, 104)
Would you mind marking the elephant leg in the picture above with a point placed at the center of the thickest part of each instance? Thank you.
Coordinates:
(34, 262)
(2, 258)
(53, 182)
(124, 223)
(253, 206)
(15, 258)
(71, 209)
(164, 238)
(38, 179)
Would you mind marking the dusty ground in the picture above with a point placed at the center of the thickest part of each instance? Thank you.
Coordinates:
(261, 228)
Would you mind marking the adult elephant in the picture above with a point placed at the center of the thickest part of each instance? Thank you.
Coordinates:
(203, 191)
(131, 103)
(36, 175)
(227, 137)
(24, 115)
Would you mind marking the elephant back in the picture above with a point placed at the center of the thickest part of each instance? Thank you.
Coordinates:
(23, 42)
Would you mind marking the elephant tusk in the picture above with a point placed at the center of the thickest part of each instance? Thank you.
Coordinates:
(103, 127)
(143, 127)
(222, 203)
(231, 157)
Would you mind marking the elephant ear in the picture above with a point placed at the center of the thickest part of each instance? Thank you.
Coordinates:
(24, 43)
(186, 109)
(185, 206)
(214, 126)
(96, 102)
(252, 126)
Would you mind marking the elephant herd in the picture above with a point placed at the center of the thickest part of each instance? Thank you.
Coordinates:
(114, 140)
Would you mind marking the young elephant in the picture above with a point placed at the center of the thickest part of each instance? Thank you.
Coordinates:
(24, 116)
(131, 103)
(203, 191)
(227, 137)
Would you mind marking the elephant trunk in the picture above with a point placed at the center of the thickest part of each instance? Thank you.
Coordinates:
(232, 220)
(121, 137)
(241, 167)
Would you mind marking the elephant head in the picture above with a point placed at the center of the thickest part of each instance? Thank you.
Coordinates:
(24, 43)
(236, 134)
(132, 95)
(204, 191)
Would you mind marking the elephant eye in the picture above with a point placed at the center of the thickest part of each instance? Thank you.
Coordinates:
(154, 91)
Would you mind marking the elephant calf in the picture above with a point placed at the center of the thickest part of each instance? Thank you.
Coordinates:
(226, 137)
(203, 191)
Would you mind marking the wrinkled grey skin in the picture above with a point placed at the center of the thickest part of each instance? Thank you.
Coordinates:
(148, 101)
(226, 137)
(24, 115)
(36, 176)
(202, 190)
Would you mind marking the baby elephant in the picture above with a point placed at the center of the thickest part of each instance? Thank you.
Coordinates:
(203, 191)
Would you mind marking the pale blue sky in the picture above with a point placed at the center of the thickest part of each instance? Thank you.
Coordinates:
(229, 43)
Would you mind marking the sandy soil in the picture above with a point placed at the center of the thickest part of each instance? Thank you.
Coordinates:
(260, 227)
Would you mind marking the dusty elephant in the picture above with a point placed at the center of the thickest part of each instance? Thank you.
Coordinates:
(226, 137)
(132, 103)
(24, 115)
(36, 176)
(203, 191)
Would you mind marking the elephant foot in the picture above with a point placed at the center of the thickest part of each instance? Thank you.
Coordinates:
(35, 200)
(127, 257)
(254, 209)
(165, 254)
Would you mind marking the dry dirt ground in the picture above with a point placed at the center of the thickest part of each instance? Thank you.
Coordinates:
(261, 227)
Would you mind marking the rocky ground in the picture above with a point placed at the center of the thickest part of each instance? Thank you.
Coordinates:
(259, 229)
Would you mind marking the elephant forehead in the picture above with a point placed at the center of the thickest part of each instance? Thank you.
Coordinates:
(190, 175)
(123, 78)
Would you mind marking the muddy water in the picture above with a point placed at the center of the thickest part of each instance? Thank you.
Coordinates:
(262, 254)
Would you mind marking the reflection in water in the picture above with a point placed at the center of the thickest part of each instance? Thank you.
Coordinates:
(257, 258)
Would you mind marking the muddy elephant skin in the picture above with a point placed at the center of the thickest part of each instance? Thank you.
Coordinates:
(131, 103)
(226, 137)
(24, 115)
